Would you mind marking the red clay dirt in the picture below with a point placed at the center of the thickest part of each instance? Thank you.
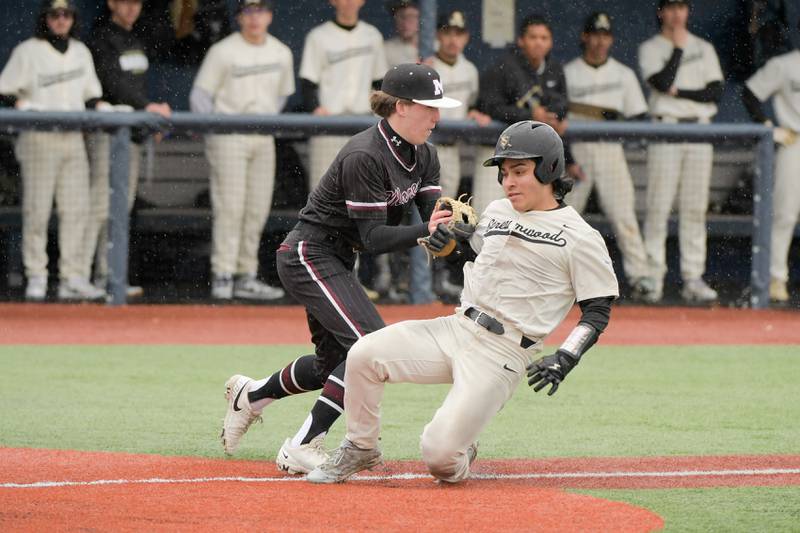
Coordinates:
(178, 324)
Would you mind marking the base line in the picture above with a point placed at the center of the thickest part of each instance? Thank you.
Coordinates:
(410, 476)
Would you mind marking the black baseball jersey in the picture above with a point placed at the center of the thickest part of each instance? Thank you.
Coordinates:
(375, 177)
(121, 65)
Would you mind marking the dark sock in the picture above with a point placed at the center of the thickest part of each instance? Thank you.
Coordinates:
(296, 378)
(329, 406)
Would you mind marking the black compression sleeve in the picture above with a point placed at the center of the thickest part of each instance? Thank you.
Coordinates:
(753, 105)
(309, 91)
(425, 204)
(712, 93)
(379, 238)
(596, 312)
(91, 103)
(662, 81)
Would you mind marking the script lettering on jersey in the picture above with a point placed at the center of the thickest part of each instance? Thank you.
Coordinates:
(254, 70)
(46, 80)
(398, 197)
(580, 92)
(336, 57)
(515, 229)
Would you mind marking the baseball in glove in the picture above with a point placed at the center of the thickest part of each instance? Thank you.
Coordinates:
(442, 242)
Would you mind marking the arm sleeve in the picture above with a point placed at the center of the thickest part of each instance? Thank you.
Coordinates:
(115, 84)
(493, 99)
(200, 101)
(309, 92)
(8, 100)
(753, 105)
(429, 189)
(595, 314)
(711, 93)
(379, 238)
(663, 79)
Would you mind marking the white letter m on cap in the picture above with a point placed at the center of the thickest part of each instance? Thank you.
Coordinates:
(437, 87)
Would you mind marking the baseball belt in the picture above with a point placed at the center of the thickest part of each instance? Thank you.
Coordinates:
(493, 325)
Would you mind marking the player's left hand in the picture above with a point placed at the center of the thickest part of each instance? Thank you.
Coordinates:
(439, 216)
(550, 370)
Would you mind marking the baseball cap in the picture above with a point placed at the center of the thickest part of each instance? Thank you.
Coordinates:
(452, 19)
(58, 5)
(597, 22)
(244, 4)
(664, 3)
(418, 83)
(393, 6)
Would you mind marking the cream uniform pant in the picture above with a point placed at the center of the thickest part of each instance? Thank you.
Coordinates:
(54, 166)
(683, 168)
(322, 150)
(485, 188)
(242, 181)
(450, 169)
(484, 369)
(606, 168)
(96, 241)
(785, 207)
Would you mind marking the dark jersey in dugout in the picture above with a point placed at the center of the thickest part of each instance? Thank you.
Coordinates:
(370, 179)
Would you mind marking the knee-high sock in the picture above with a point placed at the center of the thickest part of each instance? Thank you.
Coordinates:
(327, 409)
(296, 378)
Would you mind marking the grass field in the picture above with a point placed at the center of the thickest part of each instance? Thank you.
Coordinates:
(621, 401)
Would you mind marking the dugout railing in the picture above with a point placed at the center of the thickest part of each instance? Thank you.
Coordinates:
(300, 126)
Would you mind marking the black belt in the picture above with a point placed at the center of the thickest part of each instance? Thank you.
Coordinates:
(685, 120)
(493, 325)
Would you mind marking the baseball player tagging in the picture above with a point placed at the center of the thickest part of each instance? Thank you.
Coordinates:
(529, 259)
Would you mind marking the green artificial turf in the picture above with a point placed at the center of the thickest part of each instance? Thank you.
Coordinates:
(745, 509)
(620, 401)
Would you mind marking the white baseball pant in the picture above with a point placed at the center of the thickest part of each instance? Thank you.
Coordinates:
(53, 165)
(449, 169)
(98, 145)
(242, 182)
(322, 150)
(606, 168)
(786, 208)
(485, 188)
(484, 369)
(673, 168)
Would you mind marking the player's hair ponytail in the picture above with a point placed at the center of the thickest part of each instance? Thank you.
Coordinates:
(383, 104)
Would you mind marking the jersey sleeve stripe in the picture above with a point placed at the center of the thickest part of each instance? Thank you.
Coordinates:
(430, 189)
(365, 206)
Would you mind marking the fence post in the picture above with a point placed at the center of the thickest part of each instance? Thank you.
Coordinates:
(762, 222)
(118, 219)
(427, 28)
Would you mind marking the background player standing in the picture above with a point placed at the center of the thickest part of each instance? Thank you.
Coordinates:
(122, 70)
(685, 80)
(357, 206)
(342, 59)
(779, 79)
(550, 258)
(53, 71)
(601, 88)
(403, 47)
(249, 71)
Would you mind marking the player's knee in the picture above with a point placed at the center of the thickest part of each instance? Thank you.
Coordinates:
(442, 459)
(360, 354)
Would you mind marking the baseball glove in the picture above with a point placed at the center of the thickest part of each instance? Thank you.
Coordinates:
(443, 241)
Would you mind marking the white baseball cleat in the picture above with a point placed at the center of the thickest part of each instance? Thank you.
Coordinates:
(247, 287)
(304, 458)
(472, 452)
(239, 416)
(346, 460)
(698, 291)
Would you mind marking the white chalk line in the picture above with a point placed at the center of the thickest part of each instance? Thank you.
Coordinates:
(410, 476)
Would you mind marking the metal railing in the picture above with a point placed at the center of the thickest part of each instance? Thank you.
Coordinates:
(302, 125)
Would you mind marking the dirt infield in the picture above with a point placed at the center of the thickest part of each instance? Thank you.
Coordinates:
(68, 490)
(172, 324)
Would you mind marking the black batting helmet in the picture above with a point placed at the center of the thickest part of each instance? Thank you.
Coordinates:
(531, 140)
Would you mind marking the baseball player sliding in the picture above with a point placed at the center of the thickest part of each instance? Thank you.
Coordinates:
(685, 80)
(779, 79)
(249, 71)
(529, 259)
(601, 88)
(342, 59)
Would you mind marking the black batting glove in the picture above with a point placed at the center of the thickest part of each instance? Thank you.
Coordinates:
(440, 238)
(550, 370)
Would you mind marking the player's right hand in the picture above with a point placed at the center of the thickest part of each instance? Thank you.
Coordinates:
(550, 370)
